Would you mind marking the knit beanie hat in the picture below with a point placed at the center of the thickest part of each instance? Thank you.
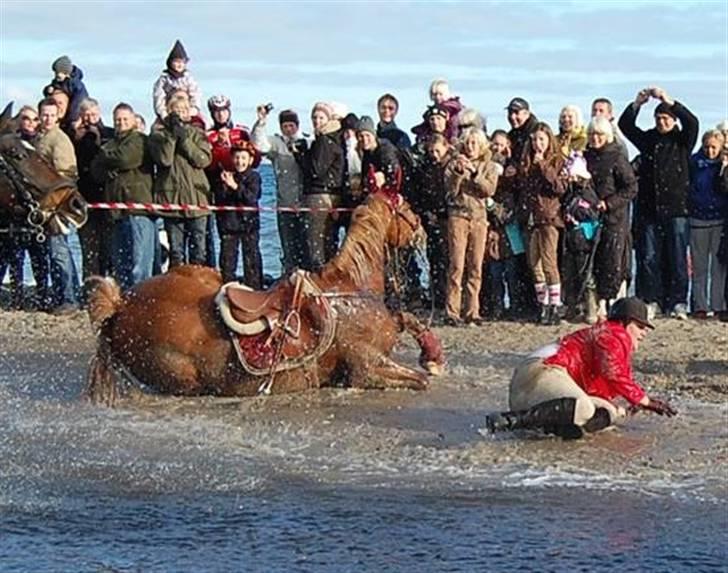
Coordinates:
(177, 53)
(288, 115)
(63, 65)
(666, 109)
(366, 123)
(323, 107)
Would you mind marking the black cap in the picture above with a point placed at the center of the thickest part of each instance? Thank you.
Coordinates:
(666, 109)
(630, 308)
(518, 104)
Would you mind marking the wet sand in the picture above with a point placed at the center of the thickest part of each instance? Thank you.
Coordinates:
(411, 438)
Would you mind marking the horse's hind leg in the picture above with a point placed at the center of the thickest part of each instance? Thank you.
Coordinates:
(101, 387)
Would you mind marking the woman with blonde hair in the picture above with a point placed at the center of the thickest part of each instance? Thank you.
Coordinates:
(470, 178)
(540, 188)
(572, 131)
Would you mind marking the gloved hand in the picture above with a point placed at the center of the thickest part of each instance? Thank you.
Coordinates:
(176, 125)
(660, 407)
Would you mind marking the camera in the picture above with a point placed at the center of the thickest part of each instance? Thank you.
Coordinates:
(298, 146)
(268, 107)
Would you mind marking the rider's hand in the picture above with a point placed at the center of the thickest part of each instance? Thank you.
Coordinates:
(660, 407)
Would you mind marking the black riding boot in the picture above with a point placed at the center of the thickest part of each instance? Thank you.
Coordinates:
(553, 417)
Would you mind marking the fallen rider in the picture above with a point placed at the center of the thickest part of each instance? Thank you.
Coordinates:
(567, 388)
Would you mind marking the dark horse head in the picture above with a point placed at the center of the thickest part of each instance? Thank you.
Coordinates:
(34, 198)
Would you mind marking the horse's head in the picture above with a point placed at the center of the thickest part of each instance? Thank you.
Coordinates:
(29, 186)
(405, 227)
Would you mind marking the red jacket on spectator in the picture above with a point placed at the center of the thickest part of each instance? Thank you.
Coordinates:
(598, 359)
(221, 158)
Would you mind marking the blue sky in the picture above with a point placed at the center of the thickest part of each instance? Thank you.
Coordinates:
(294, 54)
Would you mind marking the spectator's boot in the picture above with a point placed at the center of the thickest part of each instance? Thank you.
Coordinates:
(554, 314)
(553, 417)
(545, 316)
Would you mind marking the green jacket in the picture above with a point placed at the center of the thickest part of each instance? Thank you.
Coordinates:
(125, 167)
(180, 168)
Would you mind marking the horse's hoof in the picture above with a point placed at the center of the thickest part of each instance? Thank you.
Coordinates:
(434, 368)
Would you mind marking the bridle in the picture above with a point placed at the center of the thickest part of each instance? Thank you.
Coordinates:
(26, 191)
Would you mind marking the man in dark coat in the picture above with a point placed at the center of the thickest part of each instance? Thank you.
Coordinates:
(661, 208)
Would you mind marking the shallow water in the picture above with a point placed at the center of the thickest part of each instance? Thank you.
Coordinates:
(332, 481)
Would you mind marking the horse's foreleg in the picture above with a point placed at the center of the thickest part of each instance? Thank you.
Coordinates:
(386, 373)
(432, 357)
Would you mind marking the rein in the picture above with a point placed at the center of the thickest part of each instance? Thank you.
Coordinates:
(20, 184)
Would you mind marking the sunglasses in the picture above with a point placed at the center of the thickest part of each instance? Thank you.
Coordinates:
(28, 118)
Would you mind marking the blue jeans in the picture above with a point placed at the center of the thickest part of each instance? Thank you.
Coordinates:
(64, 277)
(190, 232)
(500, 273)
(134, 246)
(662, 262)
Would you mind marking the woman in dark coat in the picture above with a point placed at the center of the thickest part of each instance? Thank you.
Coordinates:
(616, 186)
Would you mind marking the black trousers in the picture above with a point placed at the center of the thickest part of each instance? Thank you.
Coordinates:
(248, 242)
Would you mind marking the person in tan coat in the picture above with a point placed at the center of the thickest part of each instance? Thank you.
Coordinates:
(470, 179)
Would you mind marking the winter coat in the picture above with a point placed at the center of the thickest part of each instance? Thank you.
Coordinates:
(394, 135)
(125, 167)
(56, 148)
(539, 190)
(247, 195)
(180, 167)
(168, 83)
(87, 146)
(706, 201)
(466, 192)
(664, 175)
(502, 214)
(574, 140)
(384, 158)
(325, 162)
(428, 195)
(599, 360)
(75, 88)
(286, 163)
(614, 182)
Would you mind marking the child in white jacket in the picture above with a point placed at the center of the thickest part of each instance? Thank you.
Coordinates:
(176, 77)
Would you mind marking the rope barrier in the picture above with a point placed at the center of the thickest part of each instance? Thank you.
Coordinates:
(155, 207)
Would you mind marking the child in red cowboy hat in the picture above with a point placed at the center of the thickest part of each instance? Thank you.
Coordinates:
(241, 188)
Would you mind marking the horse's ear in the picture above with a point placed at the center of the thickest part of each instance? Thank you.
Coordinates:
(5, 117)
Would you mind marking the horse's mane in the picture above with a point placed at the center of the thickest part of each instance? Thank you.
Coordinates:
(362, 253)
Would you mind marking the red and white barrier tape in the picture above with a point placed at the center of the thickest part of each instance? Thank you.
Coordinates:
(155, 207)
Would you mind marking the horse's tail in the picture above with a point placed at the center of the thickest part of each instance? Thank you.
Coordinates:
(103, 296)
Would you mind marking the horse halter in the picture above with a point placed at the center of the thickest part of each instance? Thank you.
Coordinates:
(26, 191)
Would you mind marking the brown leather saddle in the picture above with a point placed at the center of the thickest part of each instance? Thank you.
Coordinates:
(282, 328)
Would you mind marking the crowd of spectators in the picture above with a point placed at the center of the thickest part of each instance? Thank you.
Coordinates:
(535, 224)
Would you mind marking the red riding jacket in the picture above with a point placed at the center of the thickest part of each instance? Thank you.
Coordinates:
(598, 359)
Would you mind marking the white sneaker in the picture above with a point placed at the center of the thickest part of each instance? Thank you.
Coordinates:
(653, 310)
(680, 311)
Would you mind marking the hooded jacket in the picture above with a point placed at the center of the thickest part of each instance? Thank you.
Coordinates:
(75, 88)
(167, 83)
(664, 177)
(599, 360)
(539, 190)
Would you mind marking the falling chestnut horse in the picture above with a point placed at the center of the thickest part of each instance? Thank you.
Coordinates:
(185, 333)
